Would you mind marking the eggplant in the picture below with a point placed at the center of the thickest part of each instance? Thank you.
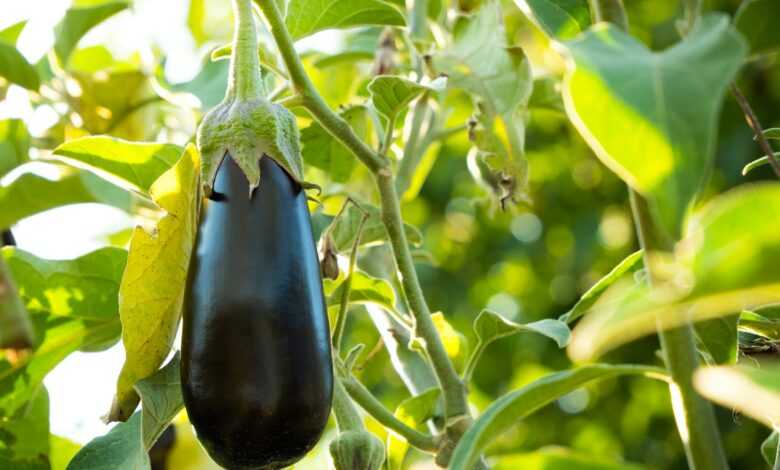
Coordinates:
(257, 372)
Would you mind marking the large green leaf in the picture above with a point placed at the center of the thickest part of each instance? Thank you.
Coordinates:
(490, 326)
(136, 163)
(754, 391)
(73, 305)
(126, 446)
(757, 21)
(15, 68)
(14, 144)
(414, 412)
(727, 262)
(514, 406)
(30, 194)
(10, 34)
(634, 108)
(76, 23)
(374, 232)
(152, 289)
(559, 19)
(719, 339)
(364, 290)
(305, 17)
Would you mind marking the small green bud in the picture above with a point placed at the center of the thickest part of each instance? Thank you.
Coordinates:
(357, 450)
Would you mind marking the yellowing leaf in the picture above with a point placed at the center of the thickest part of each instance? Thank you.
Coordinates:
(454, 342)
(152, 289)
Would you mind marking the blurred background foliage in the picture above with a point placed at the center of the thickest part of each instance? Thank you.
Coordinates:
(528, 263)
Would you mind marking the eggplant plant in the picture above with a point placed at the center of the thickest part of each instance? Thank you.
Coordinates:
(353, 203)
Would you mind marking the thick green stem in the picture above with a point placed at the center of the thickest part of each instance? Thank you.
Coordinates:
(312, 100)
(244, 81)
(454, 392)
(368, 402)
(455, 403)
(347, 416)
(694, 415)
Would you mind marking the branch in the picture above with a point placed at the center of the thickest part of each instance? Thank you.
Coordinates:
(372, 406)
(755, 125)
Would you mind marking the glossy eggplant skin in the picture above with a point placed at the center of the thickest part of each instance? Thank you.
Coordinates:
(257, 374)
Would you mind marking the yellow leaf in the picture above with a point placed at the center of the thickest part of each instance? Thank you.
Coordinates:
(152, 288)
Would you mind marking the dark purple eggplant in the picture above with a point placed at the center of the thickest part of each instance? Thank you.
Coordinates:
(257, 375)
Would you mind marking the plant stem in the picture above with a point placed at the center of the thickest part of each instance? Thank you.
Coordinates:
(468, 371)
(341, 318)
(694, 415)
(312, 100)
(611, 11)
(368, 402)
(455, 403)
(417, 19)
(244, 80)
(347, 416)
(776, 466)
(755, 124)
(692, 13)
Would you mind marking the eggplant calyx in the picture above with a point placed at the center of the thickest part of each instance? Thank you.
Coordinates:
(248, 130)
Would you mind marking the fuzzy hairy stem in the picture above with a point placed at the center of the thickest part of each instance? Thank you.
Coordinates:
(455, 403)
(244, 80)
(347, 416)
(694, 415)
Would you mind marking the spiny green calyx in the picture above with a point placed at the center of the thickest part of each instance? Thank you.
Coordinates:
(247, 130)
(245, 125)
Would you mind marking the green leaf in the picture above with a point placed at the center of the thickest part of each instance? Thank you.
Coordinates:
(195, 18)
(153, 283)
(204, 91)
(759, 162)
(10, 34)
(769, 448)
(30, 194)
(481, 62)
(14, 144)
(629, 263)
(559, 19)
(490, 326)
(15, 68)
(24, 440)
(632, 106)
(127, 444)
(756, 20)
(137, 163)
(391, 94)
(305, 17)
(76, 23)
(321, 150)
(414, 412)
(73, 305)
(365, 290)
(514, 406)
(754, 391)
(455, 343)
(727, 263)
(719, 339)
(374, 231)
(559, 458)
